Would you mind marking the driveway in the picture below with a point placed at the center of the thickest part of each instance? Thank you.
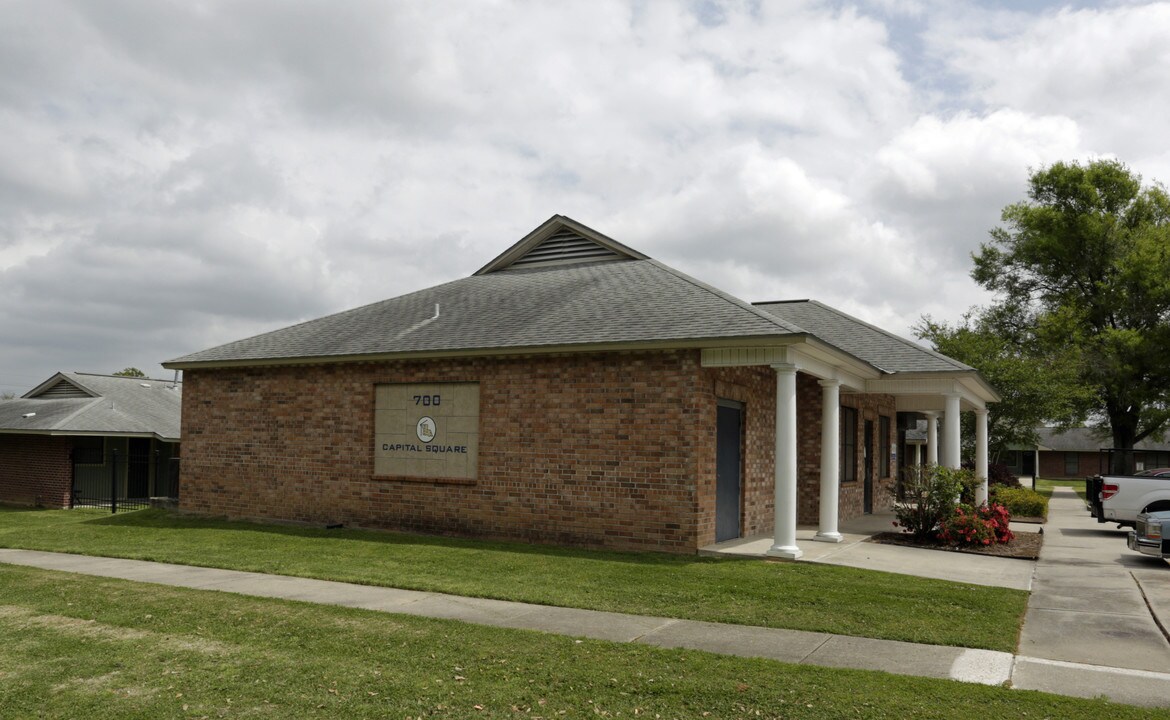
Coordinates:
(1095, 603)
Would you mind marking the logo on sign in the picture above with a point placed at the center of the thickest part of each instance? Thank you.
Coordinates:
(425, 429)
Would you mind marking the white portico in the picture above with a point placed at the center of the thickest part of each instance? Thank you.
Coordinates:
(933, 385)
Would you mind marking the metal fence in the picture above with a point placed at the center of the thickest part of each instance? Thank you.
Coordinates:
(123, 480)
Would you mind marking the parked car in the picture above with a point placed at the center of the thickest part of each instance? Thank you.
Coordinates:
(1119, 498)
(1148, 536)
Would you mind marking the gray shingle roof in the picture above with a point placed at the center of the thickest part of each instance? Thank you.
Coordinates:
(860, 339)
(1083, 439)
(628, 301)
(122, 407)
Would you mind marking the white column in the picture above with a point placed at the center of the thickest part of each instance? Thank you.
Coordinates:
(784, 544)
(981, 455)
(931, 438)
(951, 453)
(1035, 467)
(830, 460)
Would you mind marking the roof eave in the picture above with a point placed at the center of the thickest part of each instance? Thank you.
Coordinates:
(87, 433)
(575, 348)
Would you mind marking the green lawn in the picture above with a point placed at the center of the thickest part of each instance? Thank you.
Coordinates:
(95, 648)
(1045, 486)
(801, 596)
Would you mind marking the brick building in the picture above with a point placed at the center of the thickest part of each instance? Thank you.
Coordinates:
(1080, 452)
(572, 391)
(79, 435)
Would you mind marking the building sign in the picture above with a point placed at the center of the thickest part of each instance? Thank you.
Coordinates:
(426, 430)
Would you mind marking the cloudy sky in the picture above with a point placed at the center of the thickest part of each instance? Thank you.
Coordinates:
(175, 175)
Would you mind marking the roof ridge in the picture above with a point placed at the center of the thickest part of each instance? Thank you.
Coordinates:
(731, 299)
(92, 402)
(339, 313)
(115, 376)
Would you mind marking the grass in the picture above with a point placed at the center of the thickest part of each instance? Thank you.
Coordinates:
(800, 596)
(1045, 486)
(77, 646)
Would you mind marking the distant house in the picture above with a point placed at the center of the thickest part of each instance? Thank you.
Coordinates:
(76, 436)
(1076, 453)
(571, 391)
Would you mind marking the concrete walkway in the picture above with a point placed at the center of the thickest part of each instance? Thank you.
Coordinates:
(1098, 612)
(853, 551)
(1088, 632)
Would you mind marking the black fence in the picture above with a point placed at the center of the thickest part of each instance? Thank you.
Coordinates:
(123, 481)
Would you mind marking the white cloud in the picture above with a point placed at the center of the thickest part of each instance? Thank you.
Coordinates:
(177, 175)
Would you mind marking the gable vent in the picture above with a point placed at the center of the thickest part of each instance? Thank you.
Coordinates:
(63, 389)
(565, 246)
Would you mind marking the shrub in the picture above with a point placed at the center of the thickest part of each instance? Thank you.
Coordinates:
(1021, 501)
(929, 495)
(999, 474)
(984, 525)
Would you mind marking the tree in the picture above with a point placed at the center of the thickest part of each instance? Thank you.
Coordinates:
(131, 372)
(1036, 388)
(1086, 259)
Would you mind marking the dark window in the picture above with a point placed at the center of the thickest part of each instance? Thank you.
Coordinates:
(883, 446)
(89, 450)
(1072, 464)
(848, 444)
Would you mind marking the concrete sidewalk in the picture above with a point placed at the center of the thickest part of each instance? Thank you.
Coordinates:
(1094, 603)
(1092, 626)
(794, 646)
(977, 666)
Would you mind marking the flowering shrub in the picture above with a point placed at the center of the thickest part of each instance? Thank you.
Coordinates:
(927, 498)
(983, 525)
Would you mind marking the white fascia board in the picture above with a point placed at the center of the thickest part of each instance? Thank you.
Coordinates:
(925, 394)
(820, 362)
(968, 383)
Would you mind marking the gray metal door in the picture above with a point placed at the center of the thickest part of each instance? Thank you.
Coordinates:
(867, 500)
(729, 432)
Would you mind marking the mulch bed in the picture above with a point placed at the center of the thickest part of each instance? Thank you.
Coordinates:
(1026, 545)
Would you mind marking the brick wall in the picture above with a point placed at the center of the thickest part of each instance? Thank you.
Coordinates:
(808, 449)
(1052, 464)
(596, 450)
(851, 497)
(607, 449)
(755, 387)
(35, 470)
(870, 408)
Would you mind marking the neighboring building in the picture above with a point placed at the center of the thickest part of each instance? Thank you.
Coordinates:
(572, 391)
(76, 436)
(1077, 453)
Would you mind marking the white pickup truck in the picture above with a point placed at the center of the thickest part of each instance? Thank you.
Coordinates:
(1121, 498)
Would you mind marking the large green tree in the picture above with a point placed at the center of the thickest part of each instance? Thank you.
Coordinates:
(1087, 258)
(1037, 387)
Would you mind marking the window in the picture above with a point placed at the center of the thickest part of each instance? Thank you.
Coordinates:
(848, 444)
(1072, 464)
(884, 449)
(89, 450)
